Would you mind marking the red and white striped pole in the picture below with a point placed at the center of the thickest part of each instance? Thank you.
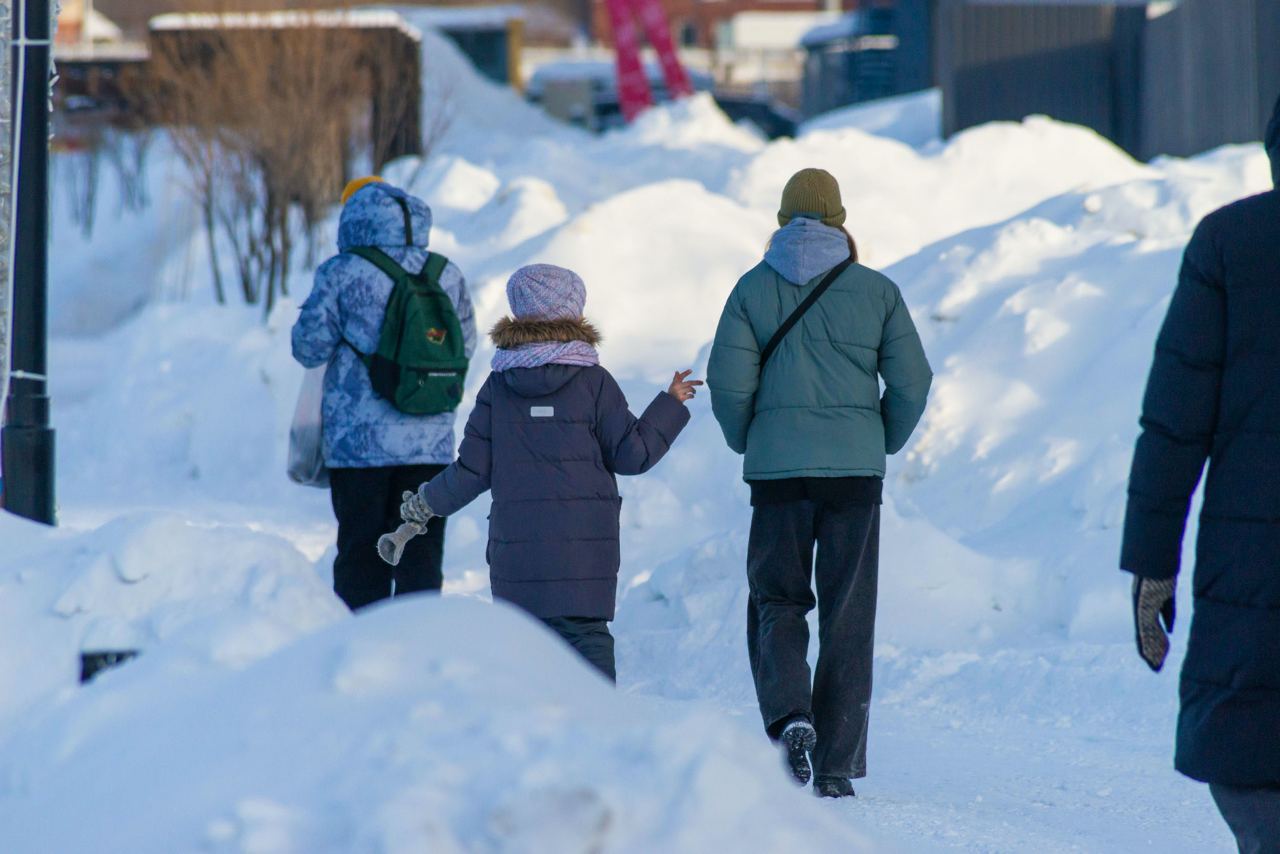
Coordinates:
(658, 29)
(634, 96)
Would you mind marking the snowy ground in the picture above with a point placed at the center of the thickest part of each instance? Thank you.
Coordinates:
(1011, 712)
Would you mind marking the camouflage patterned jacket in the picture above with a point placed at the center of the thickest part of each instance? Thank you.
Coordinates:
(345, 311)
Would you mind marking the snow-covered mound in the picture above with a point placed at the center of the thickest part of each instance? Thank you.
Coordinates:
(226, 594)
(911, 119)
(1037, 259)
(441, 726)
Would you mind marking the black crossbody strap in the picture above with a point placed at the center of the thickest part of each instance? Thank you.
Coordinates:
(803, 307)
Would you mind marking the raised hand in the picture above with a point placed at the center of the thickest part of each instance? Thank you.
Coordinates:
(682, 388)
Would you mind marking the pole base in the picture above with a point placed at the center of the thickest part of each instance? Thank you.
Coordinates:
(28, 472)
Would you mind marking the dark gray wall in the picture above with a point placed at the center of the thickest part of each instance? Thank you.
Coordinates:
(1211, 72)
(1202, 75)
(1008, 62)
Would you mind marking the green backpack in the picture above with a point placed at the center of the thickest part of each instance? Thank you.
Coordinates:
(420, 365)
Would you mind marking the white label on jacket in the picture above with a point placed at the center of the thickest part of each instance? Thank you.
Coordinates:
(542, 411)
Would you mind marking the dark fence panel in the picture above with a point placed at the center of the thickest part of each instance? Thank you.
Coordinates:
(1200, 77)
(1202, 74)
(1007, 62)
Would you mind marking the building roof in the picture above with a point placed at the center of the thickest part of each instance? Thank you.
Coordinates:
(353, 19)
(847, 26)
(850, 27)
(458, 18)
(121, 51)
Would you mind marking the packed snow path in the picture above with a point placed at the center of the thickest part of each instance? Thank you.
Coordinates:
(1011, 712)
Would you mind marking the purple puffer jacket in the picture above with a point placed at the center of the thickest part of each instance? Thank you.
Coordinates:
(549, 441)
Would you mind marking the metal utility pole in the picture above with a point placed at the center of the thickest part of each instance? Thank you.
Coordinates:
(27, 439)
(6, 203)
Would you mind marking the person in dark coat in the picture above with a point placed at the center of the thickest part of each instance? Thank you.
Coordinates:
(550, 432)
(815, 430)
(1214, 395)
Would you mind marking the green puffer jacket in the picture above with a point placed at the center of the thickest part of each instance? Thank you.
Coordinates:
(818, 411)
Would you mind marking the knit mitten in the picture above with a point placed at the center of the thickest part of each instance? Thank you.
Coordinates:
(415, 509)
(1153, 604)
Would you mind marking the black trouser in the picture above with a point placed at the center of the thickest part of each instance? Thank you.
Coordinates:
(780, 570)
(367, 504)
(591, 638)
(1253, 816)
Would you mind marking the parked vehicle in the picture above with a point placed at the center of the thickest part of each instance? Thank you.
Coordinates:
(585, 93)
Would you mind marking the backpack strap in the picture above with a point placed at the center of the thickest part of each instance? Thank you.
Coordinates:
(807, 304)
(408, 219)
(434, 268)
(381, 260)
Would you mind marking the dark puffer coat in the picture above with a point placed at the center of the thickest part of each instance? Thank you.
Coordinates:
(549, 441)
(1214, 394)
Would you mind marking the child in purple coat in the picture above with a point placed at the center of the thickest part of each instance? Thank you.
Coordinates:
(550, 432)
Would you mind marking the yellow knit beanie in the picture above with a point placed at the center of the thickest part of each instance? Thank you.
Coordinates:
(358, 184)
(814, 194)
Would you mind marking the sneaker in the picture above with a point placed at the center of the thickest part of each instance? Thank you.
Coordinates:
(798, 739)
(834, 787)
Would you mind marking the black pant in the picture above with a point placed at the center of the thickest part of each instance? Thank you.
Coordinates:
(780, 570)
(367, 504)
(1253, 816)
(591, 638)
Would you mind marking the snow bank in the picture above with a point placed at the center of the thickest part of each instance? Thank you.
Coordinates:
(443, 726)
(911, 119)
(225, 595)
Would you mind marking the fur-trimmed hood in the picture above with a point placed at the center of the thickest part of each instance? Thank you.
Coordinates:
(513, 333)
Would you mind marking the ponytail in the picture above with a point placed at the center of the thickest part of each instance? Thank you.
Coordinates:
(853, 246)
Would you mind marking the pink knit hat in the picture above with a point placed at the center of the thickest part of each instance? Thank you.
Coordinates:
(547, 292)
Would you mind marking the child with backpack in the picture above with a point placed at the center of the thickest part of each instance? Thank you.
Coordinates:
(388, 407)
(550, 432)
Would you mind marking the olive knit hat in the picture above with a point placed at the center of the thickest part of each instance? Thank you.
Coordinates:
(813, 194)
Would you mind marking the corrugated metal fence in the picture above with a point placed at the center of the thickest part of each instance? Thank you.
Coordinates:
(1201, 74)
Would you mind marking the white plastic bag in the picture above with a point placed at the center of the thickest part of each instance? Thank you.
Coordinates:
(306, 434)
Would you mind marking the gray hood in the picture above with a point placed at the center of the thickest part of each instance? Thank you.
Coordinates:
(805, 248)
(1273, 144)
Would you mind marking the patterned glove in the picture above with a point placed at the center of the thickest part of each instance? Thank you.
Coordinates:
(414, 509)
(1152, 604)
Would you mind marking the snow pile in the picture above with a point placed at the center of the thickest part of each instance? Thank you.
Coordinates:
(443, 726)
(911, 119)
(226, 595)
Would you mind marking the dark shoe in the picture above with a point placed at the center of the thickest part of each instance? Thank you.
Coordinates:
(798, 739)
(834, 787)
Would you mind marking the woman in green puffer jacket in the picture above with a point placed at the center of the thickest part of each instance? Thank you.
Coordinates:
(815, 430)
